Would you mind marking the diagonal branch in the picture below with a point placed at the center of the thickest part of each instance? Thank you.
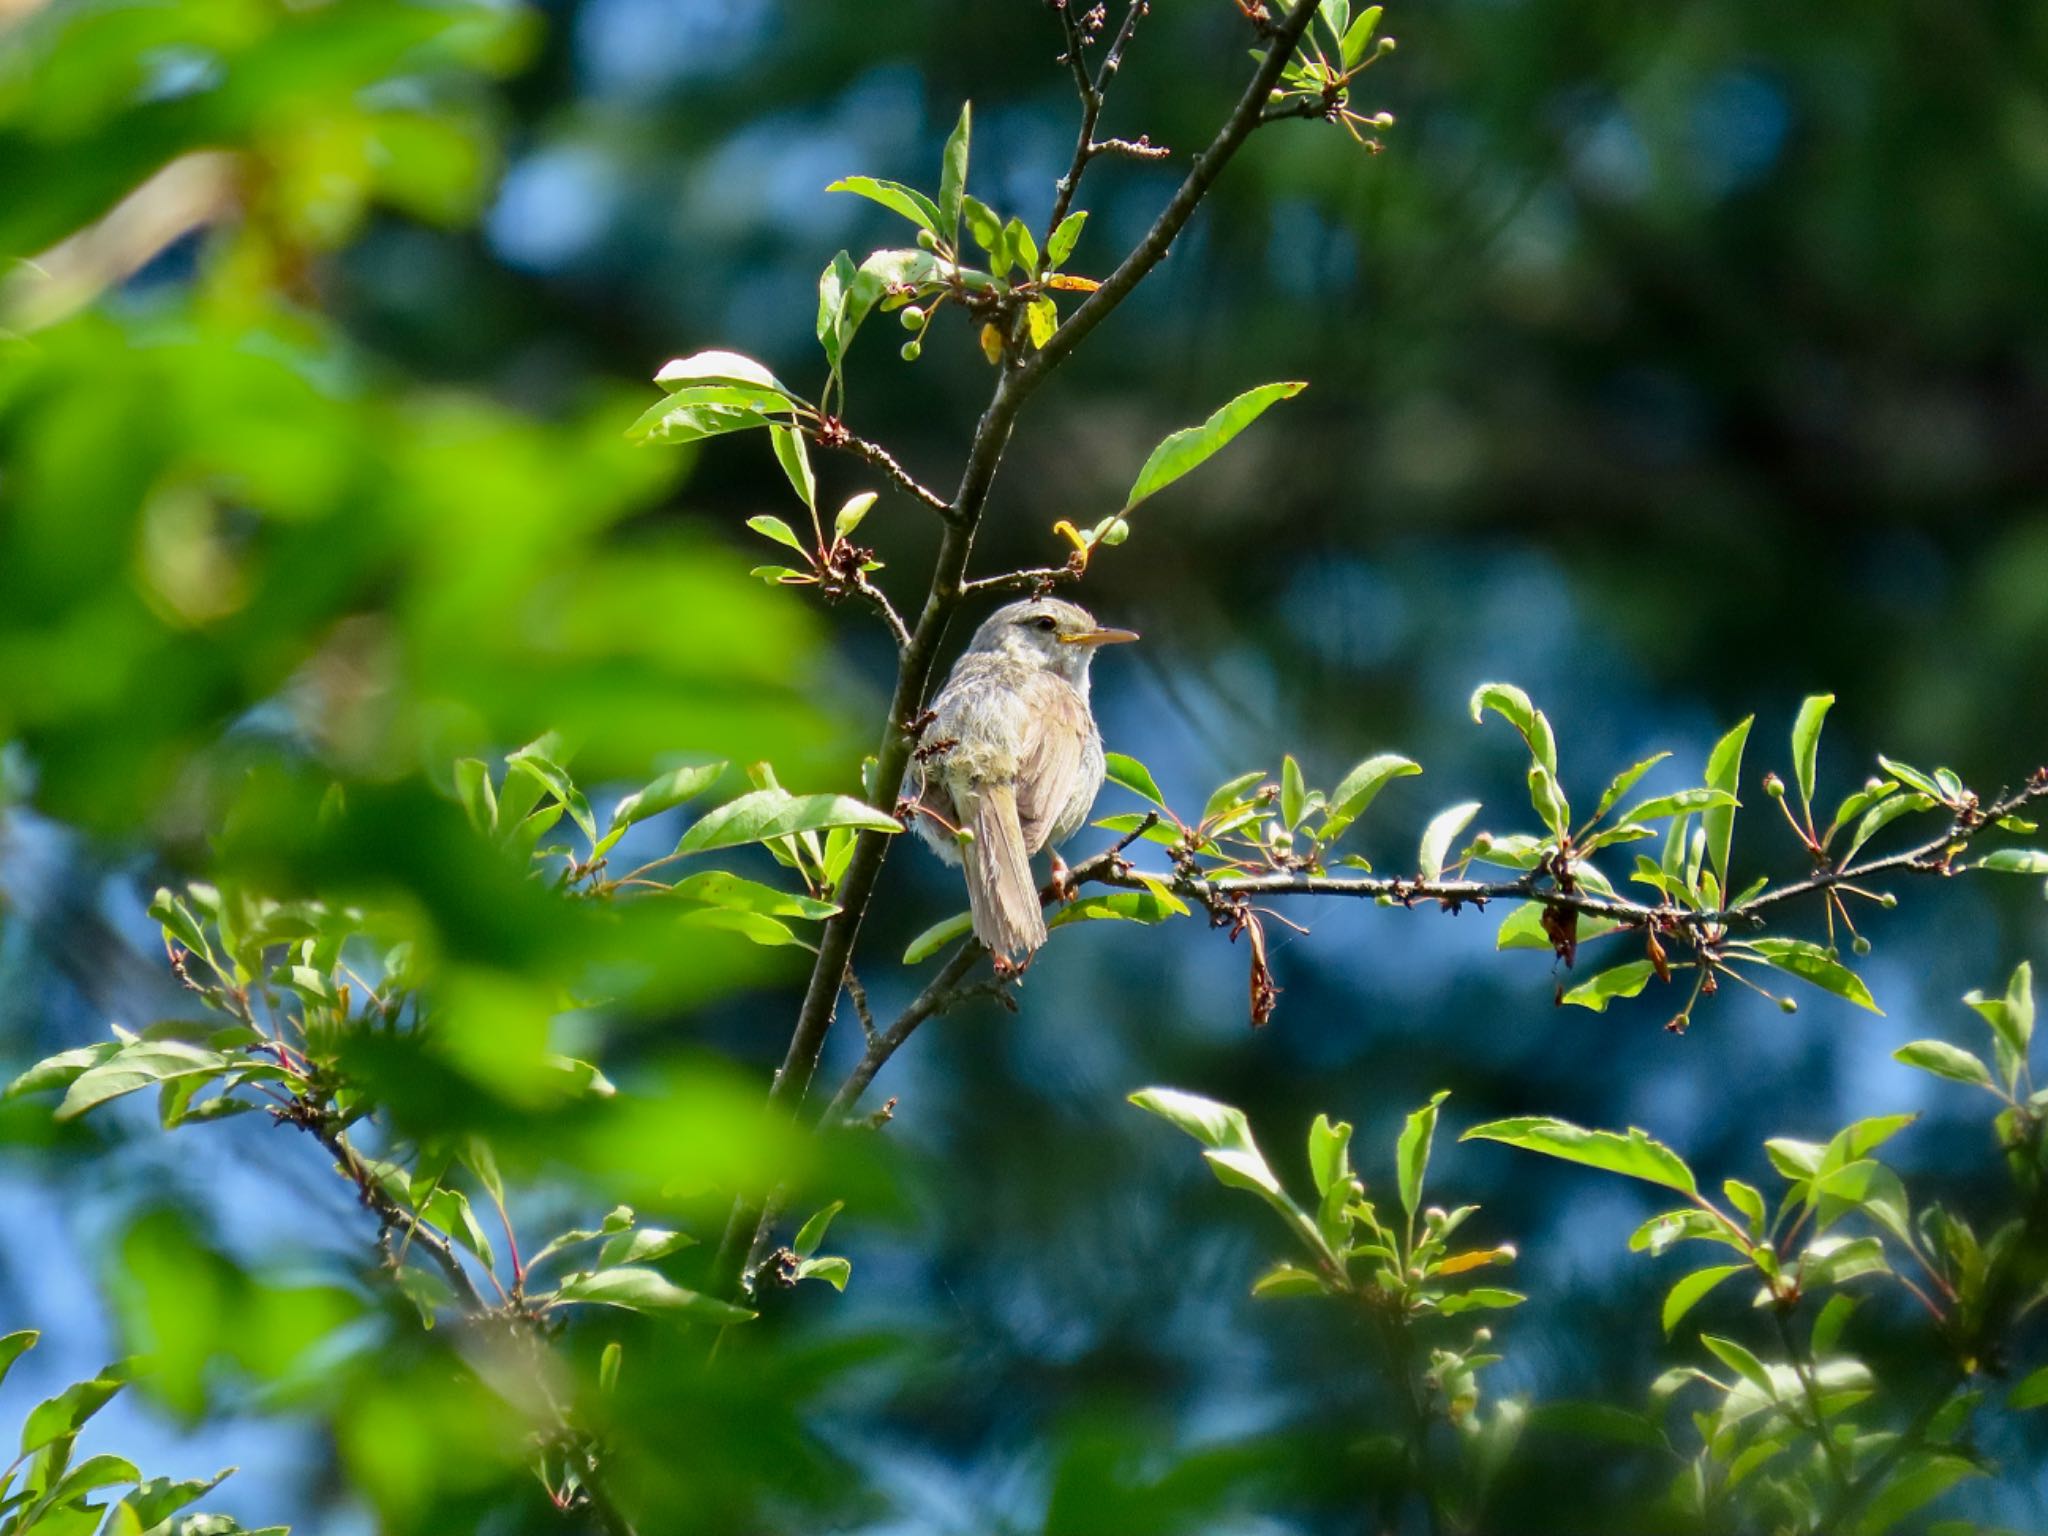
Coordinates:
(918, 666)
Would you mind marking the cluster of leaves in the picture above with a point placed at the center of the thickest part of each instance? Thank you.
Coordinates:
(1789, 1439)
(44, 1492)
(1794, 1436)
(1316, 81)
(1401, 1270)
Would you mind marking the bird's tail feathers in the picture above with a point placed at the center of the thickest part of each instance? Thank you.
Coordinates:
(1001, 894)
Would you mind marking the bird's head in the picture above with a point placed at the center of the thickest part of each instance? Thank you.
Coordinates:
(1048, 633)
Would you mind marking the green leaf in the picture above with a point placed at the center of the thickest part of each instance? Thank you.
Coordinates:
(647, 1290)
(1661, 806)
(1357, 790)
(1132, 775)
(1190, 447)
(139, 1064)
(2015, 861)
(61, 1070)
(812, 1232)
(473, 790)
(1882, 815)
(1165, 833)
(1806, 744)
(937, 937)
(830, 1268)
(2032, 1391)
(794, 455)
(1484, 1296)
(1747, 1199)
(1513, 706)
(1211, 1123)
(555, 778)
(1832, 1260)
(608, 1368)
(1061, 245)
(1597, 991)
(1230, 795)
(154, 1502)
(1809, 962)
(1522, 928)
(775, 528)
(1827, 1328)
(719, 367)
(768, 813)
(851, 513)
(1293, 792)
(694, 414)
(1358, 36)
(1438, 836)
(983, 222)
(1547, 796)
(641, 1245)
(1411, 1152)
(718, 888)
(1944, 1060)
(755, 927)
(1329, 1152)
(1623, 782)
(63, 1414)
(1913, 778)
(1868, 1186)
(13, 1346)
(1742, 1362)
(953, 177)
(1148, 906)
(1688, 1293)
(664, 794)
(1635, 1154)
(1918, 1479)
(1288, 1280)
(897, 198)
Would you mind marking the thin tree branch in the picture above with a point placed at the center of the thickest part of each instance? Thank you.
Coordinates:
(918, 665)
(1032, 580)
(880, 599)
(1934, 856)
(833, 434)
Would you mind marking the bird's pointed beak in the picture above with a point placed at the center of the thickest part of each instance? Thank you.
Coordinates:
(1100, 637)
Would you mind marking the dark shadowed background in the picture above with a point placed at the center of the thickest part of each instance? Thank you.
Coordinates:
(1671, 363)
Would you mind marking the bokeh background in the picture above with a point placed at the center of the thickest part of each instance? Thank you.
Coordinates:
(1672, 364)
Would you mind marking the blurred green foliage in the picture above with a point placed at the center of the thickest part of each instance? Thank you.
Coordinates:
(314, 504)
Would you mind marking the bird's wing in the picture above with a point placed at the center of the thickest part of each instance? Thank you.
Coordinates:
(1052, 755)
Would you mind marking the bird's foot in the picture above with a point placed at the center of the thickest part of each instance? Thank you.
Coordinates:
(1007, 969)
(1063, 887)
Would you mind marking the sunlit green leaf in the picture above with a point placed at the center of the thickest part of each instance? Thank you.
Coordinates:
(1597, 991)
(1688, 1293)
(645, 1290)
(897, 198)
(766, 813)
(1806, 743)
(1944, 1060)
(1132, 775)
(1190, 447)
(937, 937)
(1809, 962)
(1438, 836)
(1411, 1152)
(1634, 1154)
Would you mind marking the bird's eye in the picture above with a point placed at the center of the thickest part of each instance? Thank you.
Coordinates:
(1047, 623)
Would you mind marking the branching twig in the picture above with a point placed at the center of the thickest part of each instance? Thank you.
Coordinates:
(880, 599)
(1036, 579)
(833, 434)
(1930, 857)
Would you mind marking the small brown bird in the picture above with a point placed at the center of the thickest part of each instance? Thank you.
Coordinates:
(1012, 758)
